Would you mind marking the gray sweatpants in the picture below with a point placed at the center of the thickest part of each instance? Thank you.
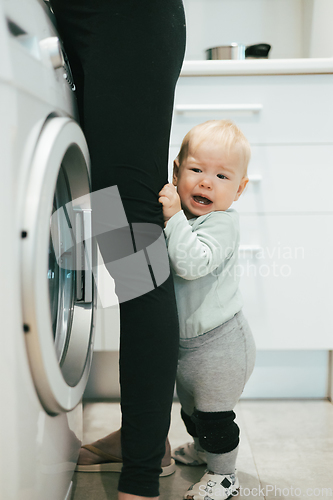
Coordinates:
(212, 372)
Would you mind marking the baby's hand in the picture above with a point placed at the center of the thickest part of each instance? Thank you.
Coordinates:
(170, 200)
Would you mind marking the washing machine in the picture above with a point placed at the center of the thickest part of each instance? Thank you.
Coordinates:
(47, 290)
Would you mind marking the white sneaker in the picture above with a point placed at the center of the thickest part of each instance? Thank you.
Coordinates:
(187, 454)
(214, 487)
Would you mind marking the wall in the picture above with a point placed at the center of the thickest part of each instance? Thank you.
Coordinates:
(219, 22)
(317, 28)
(294, 28)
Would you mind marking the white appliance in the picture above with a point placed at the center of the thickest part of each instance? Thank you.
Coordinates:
(46, 309)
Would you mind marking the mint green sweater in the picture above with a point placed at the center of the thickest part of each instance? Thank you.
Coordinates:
(203, 253)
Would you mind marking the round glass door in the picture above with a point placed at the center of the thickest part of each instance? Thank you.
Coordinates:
(57, 258)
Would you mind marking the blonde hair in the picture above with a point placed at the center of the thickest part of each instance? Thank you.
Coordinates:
(219, 131)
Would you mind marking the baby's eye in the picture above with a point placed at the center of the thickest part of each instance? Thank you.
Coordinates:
(197, 170)
(221, 176)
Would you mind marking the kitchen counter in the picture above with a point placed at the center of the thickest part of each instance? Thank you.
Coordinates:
(257, 67)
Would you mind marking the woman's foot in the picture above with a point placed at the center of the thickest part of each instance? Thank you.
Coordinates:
(214, 486)
(110, 445)
(104, 455)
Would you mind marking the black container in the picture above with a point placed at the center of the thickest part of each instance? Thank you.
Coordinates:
(257, 51)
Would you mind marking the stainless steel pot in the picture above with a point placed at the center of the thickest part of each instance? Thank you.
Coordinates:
(232, 51)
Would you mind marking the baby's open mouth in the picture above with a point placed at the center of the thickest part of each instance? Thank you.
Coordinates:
(202, 200)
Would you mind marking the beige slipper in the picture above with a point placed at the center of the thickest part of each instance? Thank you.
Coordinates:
(115, 464)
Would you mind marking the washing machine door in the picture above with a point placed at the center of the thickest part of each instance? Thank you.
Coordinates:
(57, 258)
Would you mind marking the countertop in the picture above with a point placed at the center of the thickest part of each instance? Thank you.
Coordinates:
(258, 67)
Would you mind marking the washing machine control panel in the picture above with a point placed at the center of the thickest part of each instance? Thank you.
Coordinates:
(55, 51)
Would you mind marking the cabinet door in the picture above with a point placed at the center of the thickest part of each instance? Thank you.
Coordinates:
(286, 265)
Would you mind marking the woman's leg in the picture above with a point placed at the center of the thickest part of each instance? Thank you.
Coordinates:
(126, 57)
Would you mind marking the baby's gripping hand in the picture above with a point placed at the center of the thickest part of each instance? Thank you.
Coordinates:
(170, 201)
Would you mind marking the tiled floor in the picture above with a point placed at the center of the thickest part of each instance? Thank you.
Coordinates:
(286, 451)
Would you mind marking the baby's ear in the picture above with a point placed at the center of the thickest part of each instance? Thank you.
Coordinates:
(241, 187)
(175, 172)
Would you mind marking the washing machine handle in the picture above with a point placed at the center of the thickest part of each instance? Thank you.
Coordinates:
(84, 276)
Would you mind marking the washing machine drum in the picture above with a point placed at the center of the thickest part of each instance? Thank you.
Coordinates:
(57, 258)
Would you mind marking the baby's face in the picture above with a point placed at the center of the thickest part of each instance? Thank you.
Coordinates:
(209, 179)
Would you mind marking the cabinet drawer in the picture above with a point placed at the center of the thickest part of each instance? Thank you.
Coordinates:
(286, 265)
(268, 109)
(289, 179)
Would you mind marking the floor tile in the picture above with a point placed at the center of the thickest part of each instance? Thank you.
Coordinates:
(292, 445)
(286, 451)
(95, 486)
(276, 419)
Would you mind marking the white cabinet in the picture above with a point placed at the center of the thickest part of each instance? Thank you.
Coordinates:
(285, 262)
(107, 327)
(286, 212)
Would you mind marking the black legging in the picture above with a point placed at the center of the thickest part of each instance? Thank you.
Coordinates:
(126, 57)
